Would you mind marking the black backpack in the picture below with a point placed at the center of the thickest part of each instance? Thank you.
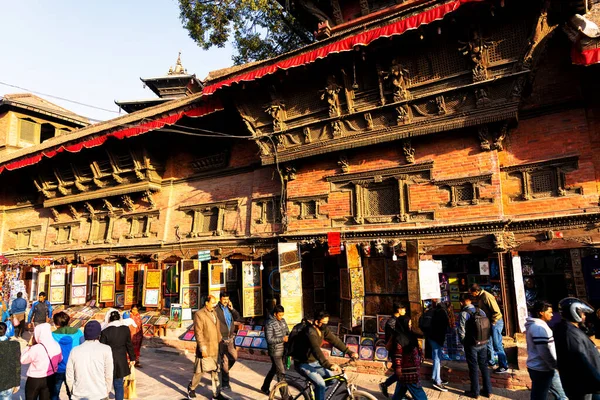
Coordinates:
(478, 328)
(426, 320)
(299, 328)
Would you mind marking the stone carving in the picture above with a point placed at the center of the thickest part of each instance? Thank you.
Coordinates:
(289, 173)
(127, 202)
(476, 49)
(369, 121)
(147, 196)
(403, 115)
(277, 112)
(336, 129)
(73, 212)
(408, 151)
(331, 94)
(343, 162)
(440, 103)
(306, 133)
(55, 214)
(481, 97)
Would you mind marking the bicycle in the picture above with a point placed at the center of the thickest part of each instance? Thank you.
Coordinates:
(301, 388)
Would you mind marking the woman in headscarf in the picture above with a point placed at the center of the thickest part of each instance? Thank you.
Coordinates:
(117, 336)
(406, 360)
(44, 355)
(137, 334)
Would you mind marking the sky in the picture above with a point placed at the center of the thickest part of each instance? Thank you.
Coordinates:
(95, 52)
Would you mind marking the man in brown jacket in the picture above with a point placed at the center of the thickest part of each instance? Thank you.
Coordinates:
(487, 302)
(208, 337)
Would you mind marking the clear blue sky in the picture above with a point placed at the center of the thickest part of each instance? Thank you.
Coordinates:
(96, 51)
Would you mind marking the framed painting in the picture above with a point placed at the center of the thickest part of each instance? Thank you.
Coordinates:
(131, 273)
(253, 304)
(107, 292)
(189, 297)
(366, 353)
(78, 295)
(216, 275)
(152, 279)
(148, 330)
(369, 324)
(357, 282)
(251, 274)
(381, 322)
(57, 276)
(120, 300)
(57, 295)
(79, 276)
(130, 295)
(151, 298)
(190, 272)
(358, 310)
(107, 273)
(176, 311)
(171, 279)
(120, 277)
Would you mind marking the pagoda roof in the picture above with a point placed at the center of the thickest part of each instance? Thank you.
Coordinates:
(31, 102)
(136, 105)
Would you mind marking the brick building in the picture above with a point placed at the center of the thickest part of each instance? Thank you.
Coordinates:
(457, 131)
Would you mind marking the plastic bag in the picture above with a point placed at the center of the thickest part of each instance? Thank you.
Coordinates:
(10, 329)
(129, 385)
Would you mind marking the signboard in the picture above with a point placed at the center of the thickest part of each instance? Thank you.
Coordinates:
(203, 255)
(290, 273)
(521, 301)
(429, 280)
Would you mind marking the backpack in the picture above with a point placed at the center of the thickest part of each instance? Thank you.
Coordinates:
(299, 328)
(426, 320)
(478, 328)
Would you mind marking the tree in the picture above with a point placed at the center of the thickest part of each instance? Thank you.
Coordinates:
(259, 29)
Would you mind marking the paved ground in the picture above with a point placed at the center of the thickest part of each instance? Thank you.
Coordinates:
(165, 375)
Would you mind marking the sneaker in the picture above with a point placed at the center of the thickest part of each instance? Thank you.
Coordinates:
(384, 390)
(501, 370)
(191, 393)
(440, 387)
(471, 394)
(444, 383)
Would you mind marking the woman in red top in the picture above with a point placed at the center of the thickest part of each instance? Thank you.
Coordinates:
(137, 335)
(406, 360)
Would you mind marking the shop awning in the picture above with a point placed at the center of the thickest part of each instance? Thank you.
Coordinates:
(347, 44)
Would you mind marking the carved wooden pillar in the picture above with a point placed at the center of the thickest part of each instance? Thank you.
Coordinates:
(412, 276)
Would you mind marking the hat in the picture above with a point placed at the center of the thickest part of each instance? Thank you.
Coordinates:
(92, 330)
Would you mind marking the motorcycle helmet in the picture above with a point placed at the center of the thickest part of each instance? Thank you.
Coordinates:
(571, 309)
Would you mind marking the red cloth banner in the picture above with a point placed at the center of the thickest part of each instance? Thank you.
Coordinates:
(125, 132)
(586, 57)
(347, 44)
(333, 243)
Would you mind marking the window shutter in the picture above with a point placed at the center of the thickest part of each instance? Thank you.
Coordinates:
(27, 131)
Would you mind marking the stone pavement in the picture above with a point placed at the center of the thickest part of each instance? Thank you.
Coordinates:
(166, 373)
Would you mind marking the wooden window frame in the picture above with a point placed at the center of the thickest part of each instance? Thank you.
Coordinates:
(20, 232)
(36, 133)
(95, 225)
(62, 227)
(200, 211)
(263, 205)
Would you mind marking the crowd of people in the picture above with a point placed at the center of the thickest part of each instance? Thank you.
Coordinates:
(562, 360)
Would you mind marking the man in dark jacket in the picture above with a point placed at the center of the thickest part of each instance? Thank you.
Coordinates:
(17, 310)
(117, 336)
(436, 337)
(227, 316)
(309, 358)
(10, 367)
(41, 311)
(276, 333)
(578, 360)
(390, 332)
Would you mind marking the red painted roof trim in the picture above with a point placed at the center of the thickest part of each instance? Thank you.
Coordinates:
(586, 57)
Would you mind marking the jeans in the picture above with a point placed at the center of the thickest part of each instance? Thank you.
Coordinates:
(118, 385)
(495, 344)
(59, 379)
(436, 356)
(6, 394)
(540, 383)
(315, 372)
(477, 357)
(416, 390)
(277, 368)
(556, 387)
(229, 356)
(393, 378)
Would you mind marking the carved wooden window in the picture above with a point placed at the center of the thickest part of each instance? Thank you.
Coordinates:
(544, 179)
(25, 237)
(29, 131)
(139, 227)
(465, 191)
(270, 211)
(64, 234)
(101, 229)
(209, 219)
(381, 199)
(308, 209)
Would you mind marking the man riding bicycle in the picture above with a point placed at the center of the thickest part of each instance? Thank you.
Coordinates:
(308, 357)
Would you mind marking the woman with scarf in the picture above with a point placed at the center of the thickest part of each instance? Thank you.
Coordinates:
(43, 354)
(116, 335)
(137, 334)
(406, 360)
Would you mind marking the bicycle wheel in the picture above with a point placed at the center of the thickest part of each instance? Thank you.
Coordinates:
(360, 395)
(294, 389)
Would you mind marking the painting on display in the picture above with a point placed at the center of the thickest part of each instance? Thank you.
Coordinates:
(190, 272)
(353, 256)
(290, 275)
(57, 294)
(251, 274)
(120, 300)
(79, 276)
(120, 277)
(107, 292)
(176, 311)
(57, 276)
(130, 296)
(358, 309)
(357, 282)
(190, 297)
(153, 278)
(381, 322)
(216, 275)
(171, 279)
(253, 304)
(131, 273)
(151, 298)
(107, 273)
(78, 295)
